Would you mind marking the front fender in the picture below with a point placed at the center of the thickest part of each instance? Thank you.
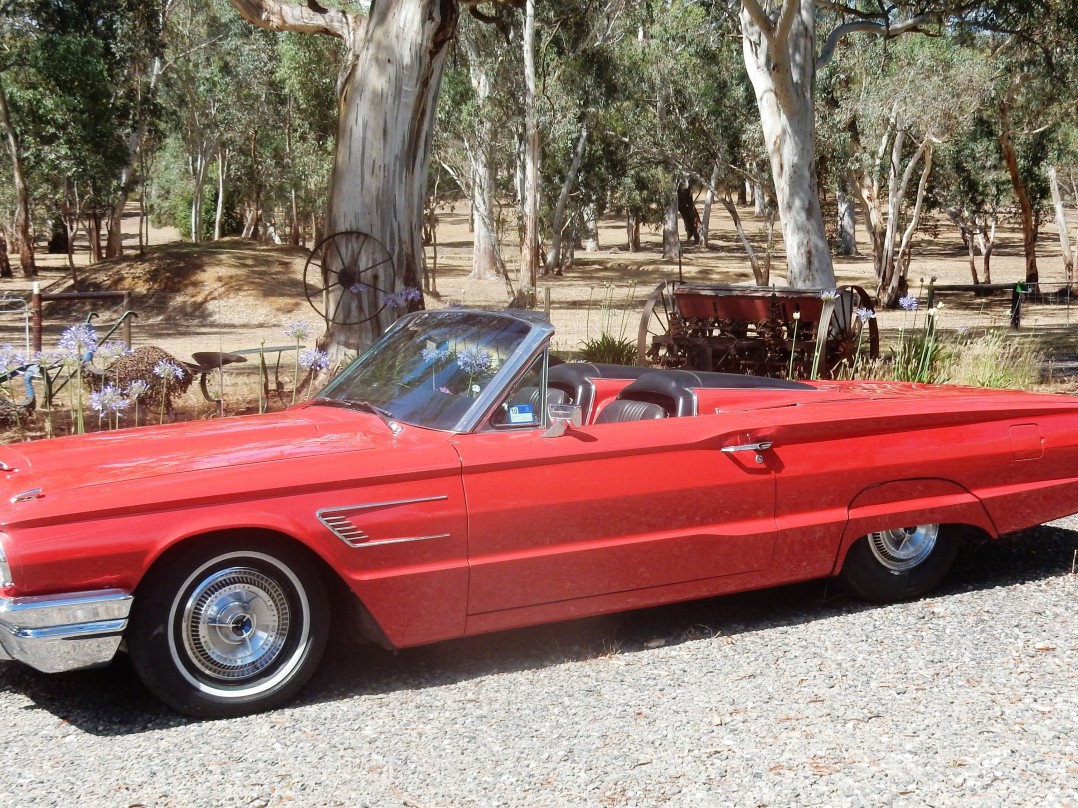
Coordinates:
(910, 502)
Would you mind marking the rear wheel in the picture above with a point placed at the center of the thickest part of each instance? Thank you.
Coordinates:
(900, 564)
(235, 629)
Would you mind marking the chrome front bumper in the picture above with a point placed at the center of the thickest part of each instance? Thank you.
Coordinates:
(66, 632)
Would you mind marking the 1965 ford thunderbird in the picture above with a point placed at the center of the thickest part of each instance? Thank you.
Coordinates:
(452, 481)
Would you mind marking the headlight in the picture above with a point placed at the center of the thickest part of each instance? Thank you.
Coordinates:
(5, 569)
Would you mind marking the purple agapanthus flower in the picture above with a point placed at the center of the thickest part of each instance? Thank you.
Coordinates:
(168, 371)
(864, 314)
(137, 389)
(909, 303)
(111, 351)
(109, 400)
(403, 298)
(11, 359)
(298, 330)
(314, 359)
(79, 340)
(475, 361)
(829, 294)
(432, 355)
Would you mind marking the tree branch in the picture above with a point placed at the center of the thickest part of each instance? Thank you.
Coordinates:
(790, 10)
(760, 19)
(890, 31)
(311, 18)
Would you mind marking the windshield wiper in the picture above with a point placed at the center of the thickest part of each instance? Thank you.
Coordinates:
(385, 416)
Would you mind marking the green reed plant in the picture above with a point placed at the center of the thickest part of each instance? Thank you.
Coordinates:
(609, 349)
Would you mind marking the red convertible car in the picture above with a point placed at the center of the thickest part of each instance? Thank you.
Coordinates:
(452, 481)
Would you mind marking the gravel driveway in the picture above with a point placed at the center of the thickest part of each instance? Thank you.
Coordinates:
(794, 696)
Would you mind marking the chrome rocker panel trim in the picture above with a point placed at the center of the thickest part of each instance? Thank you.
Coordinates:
(65, 632)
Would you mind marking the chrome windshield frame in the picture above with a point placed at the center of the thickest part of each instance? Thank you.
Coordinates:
(533, 343)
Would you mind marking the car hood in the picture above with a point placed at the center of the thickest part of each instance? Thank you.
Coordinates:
(126, 455)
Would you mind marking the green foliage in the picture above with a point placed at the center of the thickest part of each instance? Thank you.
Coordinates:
(992, 358)
(69, 67)
(610, 349)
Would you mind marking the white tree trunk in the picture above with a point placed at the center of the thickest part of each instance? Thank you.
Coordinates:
(388, 91)
(759, 200)
(780, 58)
(487, 260)
(847, 224)
(379, 177)
(671, 241)
(709, 200)
(553, 258)
(529, 258)
(1061, 225)
(222, 169)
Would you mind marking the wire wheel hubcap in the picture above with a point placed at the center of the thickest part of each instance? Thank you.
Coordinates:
(235, 623)
(905, 547)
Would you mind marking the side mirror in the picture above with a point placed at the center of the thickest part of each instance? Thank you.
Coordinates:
(562, 418)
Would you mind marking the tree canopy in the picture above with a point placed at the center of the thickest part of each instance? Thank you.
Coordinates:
(295, 122)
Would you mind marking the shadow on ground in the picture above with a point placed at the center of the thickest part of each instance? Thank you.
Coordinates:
(112, 701)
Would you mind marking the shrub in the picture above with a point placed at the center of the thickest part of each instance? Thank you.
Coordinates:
(609, 349)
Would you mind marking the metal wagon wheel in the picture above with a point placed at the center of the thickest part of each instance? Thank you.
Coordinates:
(660, 325)
(844, 336)
(339, 268)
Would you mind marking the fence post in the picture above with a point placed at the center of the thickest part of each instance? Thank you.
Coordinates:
(1016, 306)
(127, 320)
(35, 314)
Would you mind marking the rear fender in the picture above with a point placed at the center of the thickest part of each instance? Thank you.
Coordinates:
(910, 502)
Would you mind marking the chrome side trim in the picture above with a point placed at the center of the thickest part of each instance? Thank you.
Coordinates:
(402, 540)
(338, 521)
(26, 496)
(64, 632)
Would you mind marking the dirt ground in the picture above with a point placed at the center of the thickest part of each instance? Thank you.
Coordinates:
(235, 295)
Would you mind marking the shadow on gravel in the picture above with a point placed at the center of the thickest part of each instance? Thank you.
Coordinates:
(112, 701)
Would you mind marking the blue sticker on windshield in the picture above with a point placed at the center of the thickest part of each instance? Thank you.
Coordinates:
(521, 414)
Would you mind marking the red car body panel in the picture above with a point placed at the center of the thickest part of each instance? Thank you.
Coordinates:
(529, 528)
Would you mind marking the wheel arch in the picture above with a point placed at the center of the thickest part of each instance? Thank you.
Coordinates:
(352, 615)
(897, 503)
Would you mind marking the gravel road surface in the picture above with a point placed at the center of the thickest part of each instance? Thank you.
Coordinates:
(794, 696)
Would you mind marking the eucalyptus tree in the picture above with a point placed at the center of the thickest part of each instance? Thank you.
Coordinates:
(1035, 46)
(307, 68)
(895, 106)
(579, 73)
(1063, 183)
(783, 50)
(393, 57)
(69, 100)
(475, 133)
(685, 108)
(17, 31)
(973, 188)
(75, 144)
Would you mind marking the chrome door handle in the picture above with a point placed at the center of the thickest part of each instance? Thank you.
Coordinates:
(762, 446)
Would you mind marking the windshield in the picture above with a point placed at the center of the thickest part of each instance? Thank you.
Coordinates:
(432, 368)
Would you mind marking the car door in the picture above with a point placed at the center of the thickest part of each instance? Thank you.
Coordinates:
(612, 510)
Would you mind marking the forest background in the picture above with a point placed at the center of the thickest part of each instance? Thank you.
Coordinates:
(550, 118)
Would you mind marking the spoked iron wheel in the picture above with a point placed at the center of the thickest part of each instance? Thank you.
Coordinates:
(340, 268)
(660, 325)
(845, 338)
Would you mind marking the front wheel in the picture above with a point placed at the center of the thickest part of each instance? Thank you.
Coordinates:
(900, 564)
(234, 629)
